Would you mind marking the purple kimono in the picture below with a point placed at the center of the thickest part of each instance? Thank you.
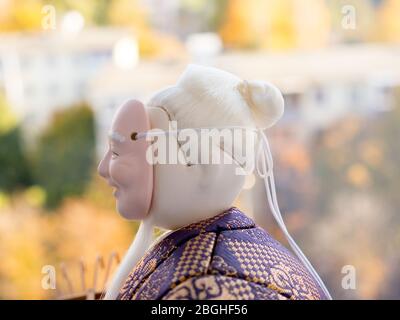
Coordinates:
(224, 257)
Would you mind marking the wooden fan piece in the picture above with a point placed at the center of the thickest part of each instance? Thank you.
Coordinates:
(88, 290)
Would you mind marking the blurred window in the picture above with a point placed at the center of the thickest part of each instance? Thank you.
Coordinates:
(355, 94)
(292, 100)
(53, 89)
(51, 60)
(319, 95)
(26, 62)
(292, 106)
(80, 89)
(30, 90)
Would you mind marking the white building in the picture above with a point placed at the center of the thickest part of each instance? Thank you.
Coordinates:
(42, 72)
(320, 86)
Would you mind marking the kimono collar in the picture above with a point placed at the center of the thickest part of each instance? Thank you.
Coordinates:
(231, 219)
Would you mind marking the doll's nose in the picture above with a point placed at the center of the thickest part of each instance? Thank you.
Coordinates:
(102, 169)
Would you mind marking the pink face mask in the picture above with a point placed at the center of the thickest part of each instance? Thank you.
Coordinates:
(124, 165)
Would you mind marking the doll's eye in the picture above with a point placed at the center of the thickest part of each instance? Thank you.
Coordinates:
(114, 154)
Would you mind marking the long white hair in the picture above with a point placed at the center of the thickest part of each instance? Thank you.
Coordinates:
(144, 241)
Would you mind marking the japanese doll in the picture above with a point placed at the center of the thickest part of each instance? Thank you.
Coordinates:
(163, 177)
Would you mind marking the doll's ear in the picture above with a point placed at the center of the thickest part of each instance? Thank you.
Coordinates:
(264, 100)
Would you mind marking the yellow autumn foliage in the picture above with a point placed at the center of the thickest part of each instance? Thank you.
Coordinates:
(276, 24)
(20, 15)
(358, 175)
(31, 239)
(389, 21)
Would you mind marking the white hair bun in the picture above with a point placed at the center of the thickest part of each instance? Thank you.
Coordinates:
(264, 100)
(207, 97)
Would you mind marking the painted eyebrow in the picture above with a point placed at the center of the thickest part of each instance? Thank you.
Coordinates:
(116, 136)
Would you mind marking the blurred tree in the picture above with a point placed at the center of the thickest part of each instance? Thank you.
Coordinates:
(389, 21)
(335, 169)
(357, 177)
(312, 23)
(30, 240)
(27, 14)
(200, 15)
(14, 170)
(275, 24)
(64, 157)
(130, 13)
(8, 120)
(217, 13)
(100, 15)
(383, 154)
(374, 163)
(242, 26)
(94, 11)
(20, 15)
(22, 253)
(281, 28)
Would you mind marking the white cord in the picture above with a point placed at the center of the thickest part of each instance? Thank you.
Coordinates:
(266, 172)
(139, 246)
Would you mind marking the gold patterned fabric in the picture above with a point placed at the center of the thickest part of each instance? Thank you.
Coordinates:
(225, 257)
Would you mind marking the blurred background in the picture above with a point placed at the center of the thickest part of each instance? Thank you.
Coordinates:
(66, 65)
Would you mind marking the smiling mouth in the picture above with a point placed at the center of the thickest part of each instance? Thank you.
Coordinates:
(115, 189)
(115, 192)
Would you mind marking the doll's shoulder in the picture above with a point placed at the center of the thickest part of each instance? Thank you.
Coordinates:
(229, 264)
(241, 264)
(226, 257)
